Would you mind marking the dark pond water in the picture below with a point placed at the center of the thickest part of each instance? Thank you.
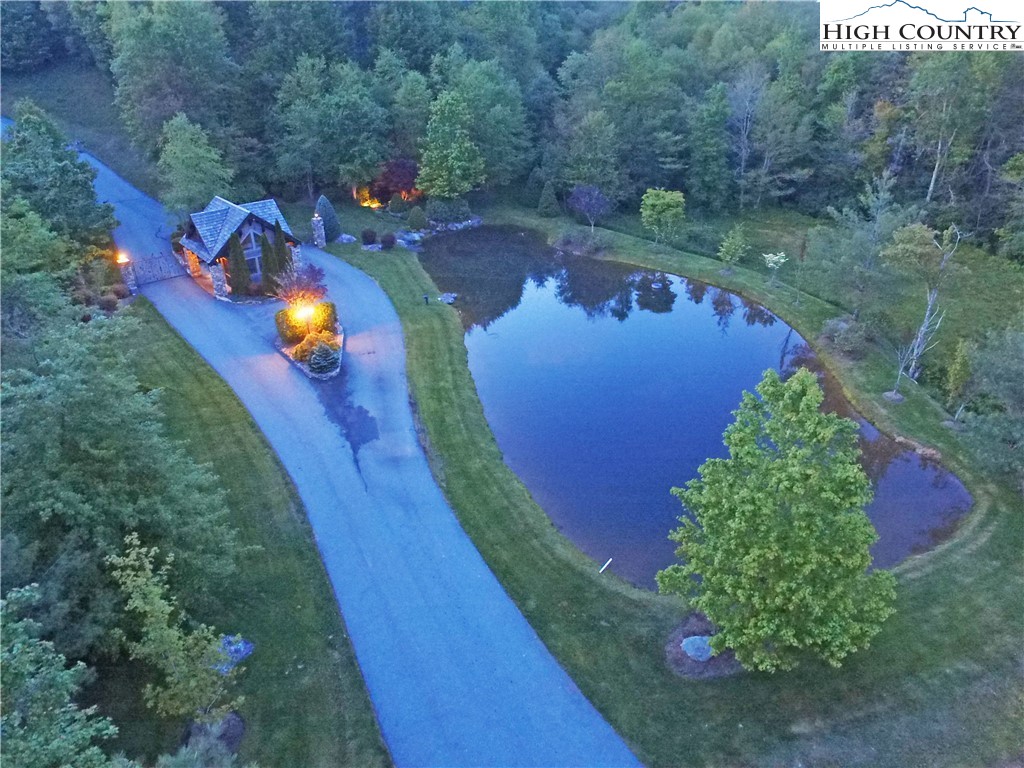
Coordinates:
(605, 386)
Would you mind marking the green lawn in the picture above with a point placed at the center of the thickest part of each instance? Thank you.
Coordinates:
(81, 99)
(305, 700)
(940, 686)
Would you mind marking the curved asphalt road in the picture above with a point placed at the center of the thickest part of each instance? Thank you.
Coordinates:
(457, 675)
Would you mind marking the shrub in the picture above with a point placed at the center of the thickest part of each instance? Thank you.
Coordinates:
(120, 290)
(448, 211)
(305, 347)
(417, 219)
(332, 227)
(107, 302)
(325, 317)
(301, 285)
(290, 329)
(849, 337)
(323, 358)
(369, 237)
(387, 241)
(581, 242)
(548, 205)
(535, 184)
(398, 204)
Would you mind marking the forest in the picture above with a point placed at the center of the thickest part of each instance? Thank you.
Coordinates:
(873, 168)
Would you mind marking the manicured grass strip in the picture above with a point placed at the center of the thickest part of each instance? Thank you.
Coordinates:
(305, 700)
(81, 99)
(938, 687)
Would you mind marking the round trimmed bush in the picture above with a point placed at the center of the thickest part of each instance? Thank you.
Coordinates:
(305, 348)
(417, 219)
(289, 328)
(448, 211)
(369, 236)
(398, 204)
(387, 241)
(325, 317)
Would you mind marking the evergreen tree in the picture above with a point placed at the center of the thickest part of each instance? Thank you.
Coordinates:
(283, 252)
(416, 219)
(332, 227)
(239, 278)
(548, 204)
(777, 554)
(708, 178)
(452, 164)
(269, 266)
(323, 359)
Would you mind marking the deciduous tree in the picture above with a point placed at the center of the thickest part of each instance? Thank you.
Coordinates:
(192, 170)
(776, 554)
(452, 164)
(589, 202)
(663, 212)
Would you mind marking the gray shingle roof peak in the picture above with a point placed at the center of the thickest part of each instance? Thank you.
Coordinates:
(216, 223)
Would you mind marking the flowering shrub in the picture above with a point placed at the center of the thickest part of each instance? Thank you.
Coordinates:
(305, 348)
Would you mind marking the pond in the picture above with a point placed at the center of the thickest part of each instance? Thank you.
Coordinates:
(606, 385)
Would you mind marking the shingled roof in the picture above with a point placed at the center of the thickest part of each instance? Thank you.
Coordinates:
(215, 224)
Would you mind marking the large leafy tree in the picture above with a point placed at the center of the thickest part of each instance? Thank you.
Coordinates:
(452, 164)
(191, 169)
(591, 153)
(708, 178)
(302, 125)
(39, 168)
(86, 460)
(29, 245)
(777, 553)
(359, 125)
(169, 58)
(42, 726)
(996, 430)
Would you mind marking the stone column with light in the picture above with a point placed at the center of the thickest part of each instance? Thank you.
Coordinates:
(319, 236)
(220, 282)
(124, 263)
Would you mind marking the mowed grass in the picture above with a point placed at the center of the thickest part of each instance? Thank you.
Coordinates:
(939, 686)
(305, 700)
(81, 99)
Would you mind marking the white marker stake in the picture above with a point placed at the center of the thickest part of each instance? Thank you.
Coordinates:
(605, 565)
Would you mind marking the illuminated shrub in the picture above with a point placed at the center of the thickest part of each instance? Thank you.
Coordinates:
(305, 348)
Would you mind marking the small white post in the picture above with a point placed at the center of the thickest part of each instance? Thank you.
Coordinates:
(605, 565)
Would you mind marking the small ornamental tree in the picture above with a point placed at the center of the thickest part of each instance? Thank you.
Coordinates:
(238, 271)
(332, 227)
(774, 262)
(548, 205)
(193, 683)
(301, 285)
(734, 247)
(281, 249)
(958, 378)
(777, 553)
(590, 202)
(663, 212)
(323, 359)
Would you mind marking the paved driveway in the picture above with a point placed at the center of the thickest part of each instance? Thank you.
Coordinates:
(456, 674)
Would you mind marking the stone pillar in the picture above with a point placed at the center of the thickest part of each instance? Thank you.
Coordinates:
(296, 254)
(128, 276)
(319, 237)
(220, 282)
(192, 264)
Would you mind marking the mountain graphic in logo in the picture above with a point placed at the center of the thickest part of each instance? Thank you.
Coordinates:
(972, 14)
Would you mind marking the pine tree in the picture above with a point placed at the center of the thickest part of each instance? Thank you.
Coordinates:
(269, 265)
(238, 271)
(323, 359)
(332, 227)
(548, 205)
(281, 249)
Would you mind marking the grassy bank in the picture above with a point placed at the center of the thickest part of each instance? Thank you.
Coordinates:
(939, 685)
(306, 703)
(81, 99)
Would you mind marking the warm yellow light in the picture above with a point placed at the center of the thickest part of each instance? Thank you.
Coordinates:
(122, 257)
(305, 312)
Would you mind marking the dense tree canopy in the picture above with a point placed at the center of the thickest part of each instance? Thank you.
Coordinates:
(192, 171)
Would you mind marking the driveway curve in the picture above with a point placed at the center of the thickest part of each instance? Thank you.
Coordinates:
(456, 674)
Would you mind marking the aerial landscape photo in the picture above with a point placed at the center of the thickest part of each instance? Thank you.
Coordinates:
(511, 384)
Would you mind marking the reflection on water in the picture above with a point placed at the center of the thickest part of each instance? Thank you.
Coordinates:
(606, 385)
